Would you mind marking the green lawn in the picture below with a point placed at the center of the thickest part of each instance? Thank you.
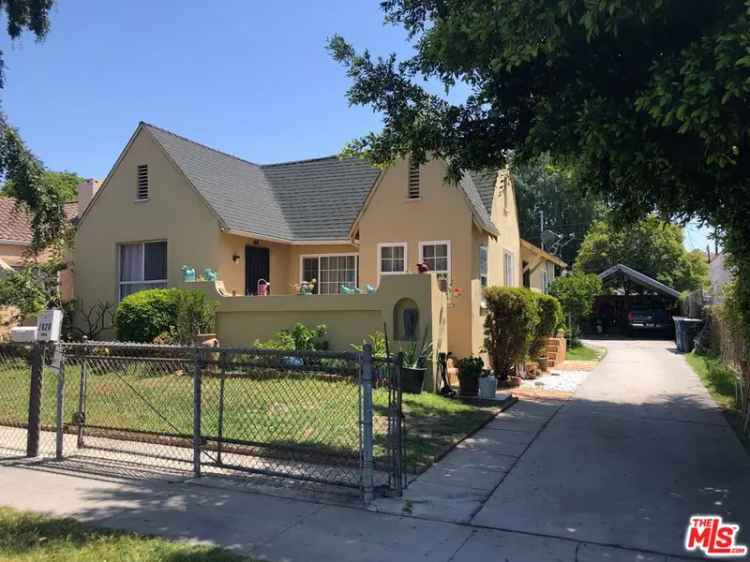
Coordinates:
(582, 352)
(27, 537)
(315, 410)
(719, 381)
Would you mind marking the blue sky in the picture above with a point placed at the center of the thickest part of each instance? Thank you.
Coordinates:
(248, 77)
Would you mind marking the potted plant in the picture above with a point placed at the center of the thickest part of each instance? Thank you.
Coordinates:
(414, 366)
(487, 385)
(469, 371)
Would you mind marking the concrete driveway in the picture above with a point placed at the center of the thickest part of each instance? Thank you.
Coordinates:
(639, 449)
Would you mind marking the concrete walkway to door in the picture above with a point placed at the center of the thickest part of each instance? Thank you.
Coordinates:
(639, 448)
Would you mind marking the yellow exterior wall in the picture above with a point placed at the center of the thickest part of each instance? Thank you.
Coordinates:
(349, 318)
(441, 213)
(174, 212)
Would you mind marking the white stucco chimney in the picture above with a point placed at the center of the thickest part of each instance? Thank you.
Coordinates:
(86, 192)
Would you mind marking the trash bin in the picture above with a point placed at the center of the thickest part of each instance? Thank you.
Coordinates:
(686, 329)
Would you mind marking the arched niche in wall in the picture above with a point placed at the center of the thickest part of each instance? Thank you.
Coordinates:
(405, 320)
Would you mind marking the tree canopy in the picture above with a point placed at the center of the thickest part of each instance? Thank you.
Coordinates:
(65, 183)
(542, 188)
(651, 246)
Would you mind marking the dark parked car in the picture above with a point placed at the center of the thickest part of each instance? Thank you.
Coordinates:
(648, 317)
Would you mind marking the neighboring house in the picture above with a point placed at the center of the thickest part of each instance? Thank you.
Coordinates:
(539, 267)
(16, 236)
(170, 202)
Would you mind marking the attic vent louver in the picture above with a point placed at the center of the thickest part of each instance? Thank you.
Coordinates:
(413, 192)
(143, 181)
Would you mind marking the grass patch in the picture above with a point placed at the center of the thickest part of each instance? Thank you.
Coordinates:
(30, 537)
(435, 424)
(311, 409)
(720, 383)
(582, 352)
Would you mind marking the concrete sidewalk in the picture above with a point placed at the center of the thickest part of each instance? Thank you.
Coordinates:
(278, 529)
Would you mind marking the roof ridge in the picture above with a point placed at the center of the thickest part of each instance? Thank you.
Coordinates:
(303, 161)
(163, 130)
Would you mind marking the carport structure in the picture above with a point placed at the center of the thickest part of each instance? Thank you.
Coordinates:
(632, 288)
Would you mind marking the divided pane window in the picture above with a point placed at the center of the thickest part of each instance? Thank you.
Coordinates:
(330, 272)
(436, 255)
(392, 259)
(142, 266)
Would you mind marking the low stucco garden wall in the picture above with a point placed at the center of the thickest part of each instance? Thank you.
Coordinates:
(349, 318)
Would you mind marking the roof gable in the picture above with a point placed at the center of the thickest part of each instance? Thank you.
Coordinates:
(639, 278)
(293, 201)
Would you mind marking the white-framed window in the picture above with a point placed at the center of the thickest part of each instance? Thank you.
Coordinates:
(508, 269)
(483, 266)
(142, 265)
(391, 258)
(548, 275)
(330, 271)
(142, 191)
(437, 256)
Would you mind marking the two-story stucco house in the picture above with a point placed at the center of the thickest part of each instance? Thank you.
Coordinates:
(169, 202)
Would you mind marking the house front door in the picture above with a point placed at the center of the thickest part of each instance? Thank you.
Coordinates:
(257, 267)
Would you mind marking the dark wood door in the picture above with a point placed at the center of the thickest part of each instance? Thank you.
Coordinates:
(257, 267)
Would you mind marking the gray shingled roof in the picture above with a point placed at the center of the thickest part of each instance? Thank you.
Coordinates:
(640, 278)
(307, 200)
(485, 185)
(295, 201)
(480, 210)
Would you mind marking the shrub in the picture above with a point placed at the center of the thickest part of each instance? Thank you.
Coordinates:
(378, 343)
(195, 315)
(142, 316)
(299, 338)
(550, 317)
(512, 317)
(576, 293)
(470, 367)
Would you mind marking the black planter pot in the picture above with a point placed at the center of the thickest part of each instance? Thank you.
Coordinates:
(468, 386)
(412, 380)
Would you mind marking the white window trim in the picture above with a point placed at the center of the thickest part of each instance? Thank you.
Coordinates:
(392, 245)
(424, 243)
(348, 254)
(143, 265)
(487, 265)
(509, 252)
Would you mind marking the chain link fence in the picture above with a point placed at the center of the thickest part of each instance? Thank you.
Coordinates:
(325, 417)
(27, 401)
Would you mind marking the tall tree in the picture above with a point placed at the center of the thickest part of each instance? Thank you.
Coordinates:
(651, 246)
(66, 183)
(548, 201)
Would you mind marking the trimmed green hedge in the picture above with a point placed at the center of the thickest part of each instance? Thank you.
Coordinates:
(142, 316)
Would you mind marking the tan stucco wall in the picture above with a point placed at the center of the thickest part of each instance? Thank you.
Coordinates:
(174, 212)
(441, 213)
(349, 318)
(538, 264)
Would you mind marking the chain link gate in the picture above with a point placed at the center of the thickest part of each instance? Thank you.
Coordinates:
(325, 417)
